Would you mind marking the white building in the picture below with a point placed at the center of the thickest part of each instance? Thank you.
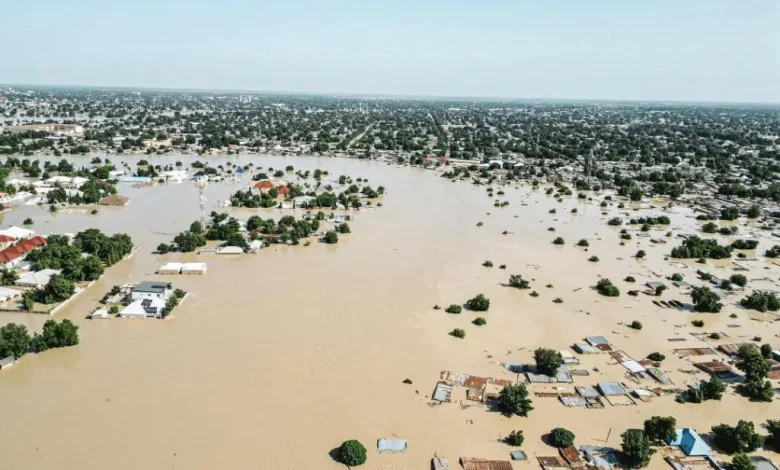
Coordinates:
(175, 175)
(152, 290)
(17, 233)
(7, 294)
(193, 268)
(99, 314)
(37, 279)
(170, 268)
(143, 308)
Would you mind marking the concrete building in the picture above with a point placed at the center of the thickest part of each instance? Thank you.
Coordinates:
(152, 290)
(75, 130)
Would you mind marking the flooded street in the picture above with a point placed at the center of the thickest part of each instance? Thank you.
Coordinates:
(276, 358)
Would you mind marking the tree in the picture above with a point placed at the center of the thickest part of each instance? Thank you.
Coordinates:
(92, 268)
(636, 449)
(515, 438)
(56, 335)
(710, 227)
(752, 363)
(163, 248)
(454, 309)
(343, 228)
(548, 361)
(606, 288)
(705, 300)
(513, 400)
(712, 389)
(558, 241)
(331, 237)
(738, 279)
(14, 340)
(773, 426)
(58, 288)
(754, 211)
(352, 453)
(729, 213)
(659, 429)
(739, 438)
(640, 254)
(480, 303)
(517, 281)
(8, 277)
(761, 301)
(773, 252)
(560, 437)
(28, 221)
(196, 227)
(742, 462)
(766, 350)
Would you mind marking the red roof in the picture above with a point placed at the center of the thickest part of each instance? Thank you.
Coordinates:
(284, 190)
(6, 239)
(264, 184)
(11, 253)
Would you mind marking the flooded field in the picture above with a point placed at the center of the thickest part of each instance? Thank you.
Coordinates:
(276, 358)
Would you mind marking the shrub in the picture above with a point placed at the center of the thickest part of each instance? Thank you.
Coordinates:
(739, 438)
(738, 279)
(640, 254)
(773, 426)
(744, 244)
(715, 336)
(560, 437)
(513, 400)
(766, 351)
(630, 279)
(583, 242)
(453, 309)
(705, 300)
(615, 221)
(331, 237)
(114, 309)
(761, 301)
(557, 300)
(558, 241)
(458, 333)
(742, 462)
(636, 324)
(548, 361)
(773, 252)
(479, 321)
(517, 281)
(677, 277)
(729, 213)
(695, 247)
(503, 266)
(656, 356)
(754, 211)
(479, 224)
(594, 259)
(659, 428)
(352, 453)
(636, 449)
(163, 248)
(515, 438)
(28, 221)
(606, 288)
(698, 323)
(480, 303)
(488, 264)
(709, 227)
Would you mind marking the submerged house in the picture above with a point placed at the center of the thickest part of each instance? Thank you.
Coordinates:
(690, 443)
(152, 290)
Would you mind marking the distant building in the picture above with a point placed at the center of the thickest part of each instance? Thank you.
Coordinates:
(37, 279)
(56, 129)
(114, 200)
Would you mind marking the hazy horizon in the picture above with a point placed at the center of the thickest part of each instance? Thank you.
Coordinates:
(713, 52)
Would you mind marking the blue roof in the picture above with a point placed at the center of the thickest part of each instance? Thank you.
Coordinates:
(690, 442)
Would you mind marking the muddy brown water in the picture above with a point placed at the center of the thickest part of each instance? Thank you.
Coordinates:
(276, 358)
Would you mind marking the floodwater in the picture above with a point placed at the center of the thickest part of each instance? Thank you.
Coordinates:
(276, 358)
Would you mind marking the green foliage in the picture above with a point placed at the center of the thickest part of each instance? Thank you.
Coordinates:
(636, 324)
(455, 309)
(656, 357)
(55, 335)
(28, 221)
(606, 288)
(740, 438)
(172, 302)
(738, 279)
(480, 321)
(8, 277)
(593, 259)
(766, 350)
(709, 227)
(630, 279)
(773, 252)
(773, 426)
(705, 300)
(636, 449)
(548, 361)
(515, 438)
(640, 254)
(458, 333)
(352, 453)
(744, 244)
(343, 228)
(558, 241)
(695, 247)
(583, 242)
(762, 301)
(756, 370)
(742, 462)
(513, 400)
(331, 237)
(677, 277)
(163, 248)
(14, 340)
(615, 221)
(698, 323)
(729, 213)
(561, 437)
(660, 428)
(754, 211)
(480, 303)
(517, 281)
(488, 264)
(58, 289)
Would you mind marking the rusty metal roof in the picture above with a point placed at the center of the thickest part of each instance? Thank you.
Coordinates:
(484, 464)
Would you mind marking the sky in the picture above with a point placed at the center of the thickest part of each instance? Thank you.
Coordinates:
(660, 50)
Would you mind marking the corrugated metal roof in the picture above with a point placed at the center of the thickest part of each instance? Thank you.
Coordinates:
(611, 388)
(484, 464)
(596, 340)
(443, 392)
